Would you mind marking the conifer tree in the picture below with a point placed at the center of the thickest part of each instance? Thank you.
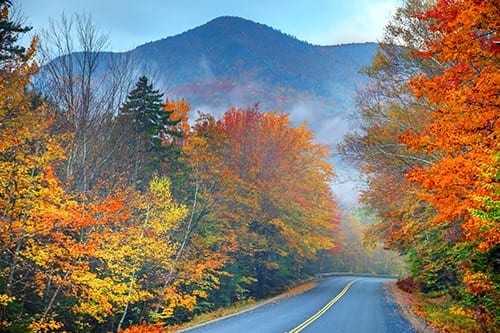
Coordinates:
(9, 34)
(145, 128)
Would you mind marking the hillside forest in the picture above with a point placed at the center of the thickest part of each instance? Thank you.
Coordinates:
(121, 210)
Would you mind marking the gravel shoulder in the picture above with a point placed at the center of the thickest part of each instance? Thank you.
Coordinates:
(404, 302)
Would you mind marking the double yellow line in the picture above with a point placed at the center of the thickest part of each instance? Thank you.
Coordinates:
(323, 310)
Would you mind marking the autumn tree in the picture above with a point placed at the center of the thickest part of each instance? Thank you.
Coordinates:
(387, 109)
(179, 124)
(463, 131)
(64, 257)
(45, 239)
(78, 258)
(429, 147)
(29, 187)
(124, 282)
(267, 184)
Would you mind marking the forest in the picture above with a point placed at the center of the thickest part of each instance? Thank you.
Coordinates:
(429, 150)
(119, 212)
(123, 214)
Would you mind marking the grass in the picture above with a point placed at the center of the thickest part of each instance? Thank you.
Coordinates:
(449, 316)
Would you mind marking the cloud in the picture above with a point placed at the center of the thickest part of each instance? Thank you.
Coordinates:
(357, 21)
(329, 129)
(205, 68)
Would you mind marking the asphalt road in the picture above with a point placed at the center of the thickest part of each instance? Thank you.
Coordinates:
(334, 305)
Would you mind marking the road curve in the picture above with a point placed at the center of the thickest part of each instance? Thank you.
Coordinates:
(339, 304)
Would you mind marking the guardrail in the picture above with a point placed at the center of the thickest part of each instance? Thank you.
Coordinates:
(329, 274)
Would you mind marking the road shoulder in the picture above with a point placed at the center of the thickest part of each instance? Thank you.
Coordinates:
(404, 302)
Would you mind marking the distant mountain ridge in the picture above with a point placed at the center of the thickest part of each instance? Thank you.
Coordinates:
(231, 59)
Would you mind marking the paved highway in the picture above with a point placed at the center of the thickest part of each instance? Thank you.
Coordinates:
(339, 304)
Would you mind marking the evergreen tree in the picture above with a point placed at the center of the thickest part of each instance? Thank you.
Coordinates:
(145, 106)
(9, 34)
(145, 128)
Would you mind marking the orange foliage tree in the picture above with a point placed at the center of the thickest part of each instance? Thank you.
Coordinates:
(429, 148)
(388, 109)
(464, 127)
(27, 181)
(463, 132)
(266, 187)
(82, 261)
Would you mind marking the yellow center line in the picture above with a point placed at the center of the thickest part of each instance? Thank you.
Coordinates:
(323, 310)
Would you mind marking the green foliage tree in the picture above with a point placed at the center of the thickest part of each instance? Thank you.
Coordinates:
(9, 35)
(142, 134)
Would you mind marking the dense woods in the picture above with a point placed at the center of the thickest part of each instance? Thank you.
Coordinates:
(429, 149)
(119, 213)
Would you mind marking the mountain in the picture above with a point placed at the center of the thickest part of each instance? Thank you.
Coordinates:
(231, 61)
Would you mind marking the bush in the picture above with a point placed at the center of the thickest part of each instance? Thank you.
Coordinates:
(407, 284)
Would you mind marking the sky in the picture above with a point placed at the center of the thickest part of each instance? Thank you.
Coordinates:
(130, 23)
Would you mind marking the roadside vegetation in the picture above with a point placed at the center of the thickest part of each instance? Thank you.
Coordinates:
(429, 149)
(117, 212)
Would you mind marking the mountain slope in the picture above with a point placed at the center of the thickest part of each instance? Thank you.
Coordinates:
(231, 61)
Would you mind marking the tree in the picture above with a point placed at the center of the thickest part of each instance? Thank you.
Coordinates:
(388, 109)
(464, 131)
(84, 261)
(352, 255)
(125, 280)
(9, 35)
(179, 124)
(144, 134)
(463, 126)
(28, 152)
(86, 88)
(429, 148)
(263, 183)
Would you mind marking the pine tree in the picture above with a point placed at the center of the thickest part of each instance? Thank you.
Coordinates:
(145, 128)
(9, 34)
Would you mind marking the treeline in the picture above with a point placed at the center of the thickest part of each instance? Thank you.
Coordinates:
(429, 148)
(354, 255)
(117, 214)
